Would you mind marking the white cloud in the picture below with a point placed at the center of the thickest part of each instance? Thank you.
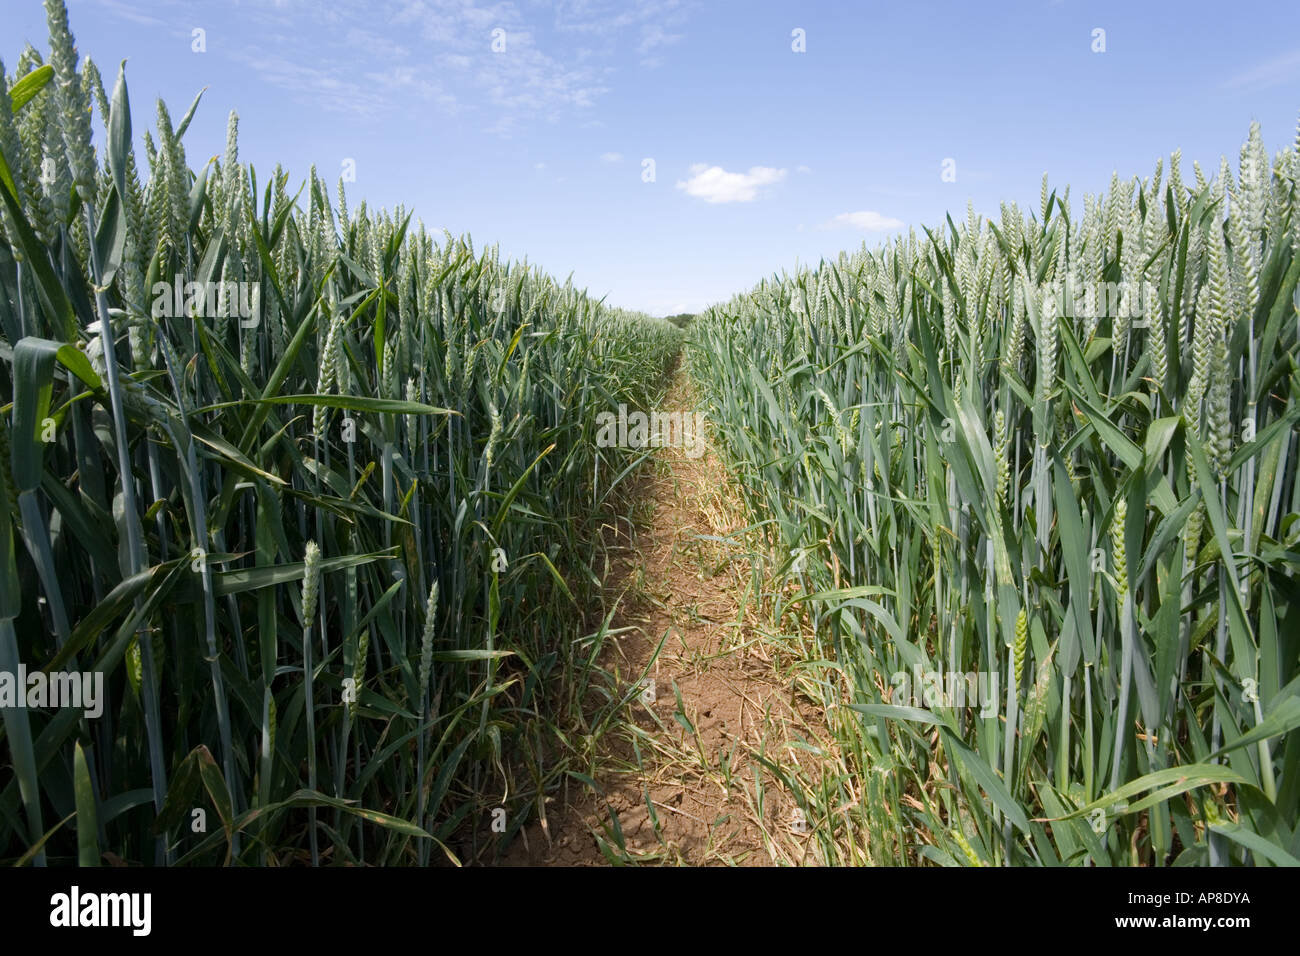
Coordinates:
(406, 78)
(803, 169)
(455, 61)
(652, 22)
(714, 184)
(128, 11)
(442, 52)
(606, 17)
(327, 86)
(1270, 73)
(866, 220)
(375, 45)
(611, 157)
(653, 36)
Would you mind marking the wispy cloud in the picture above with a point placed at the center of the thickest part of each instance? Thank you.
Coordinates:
(654, 36)
(611, 157)
(414, 81)
(332, 58)
(714, 184)
(474, 57)
(865, 220)
(489, 53)
(127, 10)
(650, 21)
(375, 45)
(1274, 72)
(328, 87)
(605, 17)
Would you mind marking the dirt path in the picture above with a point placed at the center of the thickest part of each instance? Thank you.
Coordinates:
(683, 782)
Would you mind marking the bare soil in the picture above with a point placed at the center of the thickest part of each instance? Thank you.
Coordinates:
(683, 781)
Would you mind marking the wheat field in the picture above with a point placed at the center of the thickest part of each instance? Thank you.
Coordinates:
(318, 500)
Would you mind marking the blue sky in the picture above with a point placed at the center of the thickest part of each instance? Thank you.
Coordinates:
(763, 157)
